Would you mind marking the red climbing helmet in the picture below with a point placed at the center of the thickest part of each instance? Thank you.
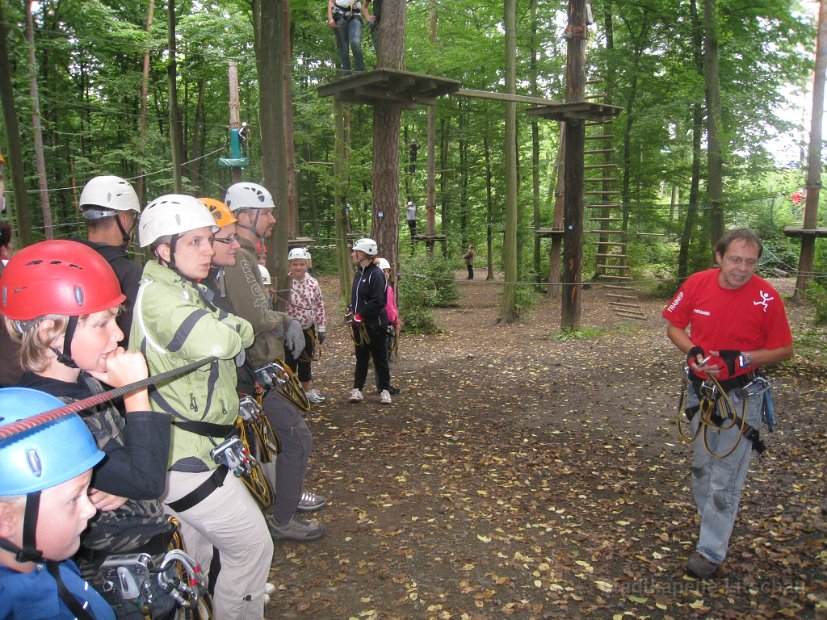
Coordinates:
(65, 278)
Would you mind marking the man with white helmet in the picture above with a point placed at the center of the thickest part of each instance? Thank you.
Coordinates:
(110, 209)
(253, 206)
(174, 325)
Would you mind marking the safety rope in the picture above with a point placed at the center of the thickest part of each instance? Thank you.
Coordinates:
(21, 426)
(279, 377)
(315, 345)
(716, 411)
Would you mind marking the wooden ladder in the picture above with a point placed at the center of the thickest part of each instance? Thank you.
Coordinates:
(602, 199)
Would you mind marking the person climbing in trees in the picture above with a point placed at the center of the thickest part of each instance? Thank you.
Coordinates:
(410, 216)
(374, 21)
(345, 18)
(173, 325)
(729, 323)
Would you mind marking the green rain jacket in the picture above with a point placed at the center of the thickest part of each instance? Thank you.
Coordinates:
(174, 325)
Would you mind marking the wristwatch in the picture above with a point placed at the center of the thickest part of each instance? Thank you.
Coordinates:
(745, 359)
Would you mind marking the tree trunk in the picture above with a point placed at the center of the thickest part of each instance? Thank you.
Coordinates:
(697, 129)
(140, 182)
(15, 159)
(573, 169)
(37, 129)
(557, 240)
(430, 198)
(386, 121)
(807, 256)
(340, 183)
(197, 132)
(535, 144)
(489, 202)
(715, 187)
(508, 310)
(289, 142)
(268, 16)
(445, 211)
(175, 137)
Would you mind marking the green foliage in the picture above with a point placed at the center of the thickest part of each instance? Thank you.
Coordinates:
(425, 284)
(817, 294)
(566, 334)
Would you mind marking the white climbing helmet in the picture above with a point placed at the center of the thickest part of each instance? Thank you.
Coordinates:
(298, 254)
(102, 196)
(173, 214)
(248, 196)
(265, 275)
(383, 263)
(368, 246)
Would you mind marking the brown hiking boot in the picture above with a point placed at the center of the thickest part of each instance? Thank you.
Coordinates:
(698, 566)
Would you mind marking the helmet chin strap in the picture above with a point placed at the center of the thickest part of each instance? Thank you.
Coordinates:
(252, 228)
(65, 356)
(171, 263)
(29, 551)
(126, 235)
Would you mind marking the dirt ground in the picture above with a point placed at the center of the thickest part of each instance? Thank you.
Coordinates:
(520, 475)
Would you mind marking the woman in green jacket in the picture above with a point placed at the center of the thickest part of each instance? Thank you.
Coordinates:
(175, 324)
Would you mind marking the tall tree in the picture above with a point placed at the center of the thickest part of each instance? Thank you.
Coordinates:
(176, 135)
(15, 159)
(805, 260)
(535, 140)
(715, 184)
(268, 15)
(697, 129)
(37, 129)
(140, 182)
(386, 124)
(508, 309)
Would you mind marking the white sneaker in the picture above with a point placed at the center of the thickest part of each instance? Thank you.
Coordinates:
(314, 397)
(385, 397)
(269, 588)
(356, 396)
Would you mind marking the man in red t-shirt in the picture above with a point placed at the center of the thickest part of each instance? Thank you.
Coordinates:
(728, 322)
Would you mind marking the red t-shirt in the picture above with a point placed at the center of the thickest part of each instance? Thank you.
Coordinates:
(751, 317)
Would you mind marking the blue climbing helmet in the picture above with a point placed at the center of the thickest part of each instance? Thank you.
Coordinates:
(39, 457)
(46, 455)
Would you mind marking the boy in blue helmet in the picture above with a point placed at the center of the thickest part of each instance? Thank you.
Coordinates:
(44, 506)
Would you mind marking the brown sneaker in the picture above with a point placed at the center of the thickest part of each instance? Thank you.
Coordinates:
(698, 566)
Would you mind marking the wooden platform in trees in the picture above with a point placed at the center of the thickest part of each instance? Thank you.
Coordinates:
(577, 110)
(549, 232)
(403, 87)
(299, 242)
(798, 231)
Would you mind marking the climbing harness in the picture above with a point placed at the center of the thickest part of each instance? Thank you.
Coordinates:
(315, 346)
(176, 580)
(393, 333)
(279, 377)
(717, 412)
(260, 441)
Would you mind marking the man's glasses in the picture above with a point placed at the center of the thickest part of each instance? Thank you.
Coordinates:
(227, 240)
